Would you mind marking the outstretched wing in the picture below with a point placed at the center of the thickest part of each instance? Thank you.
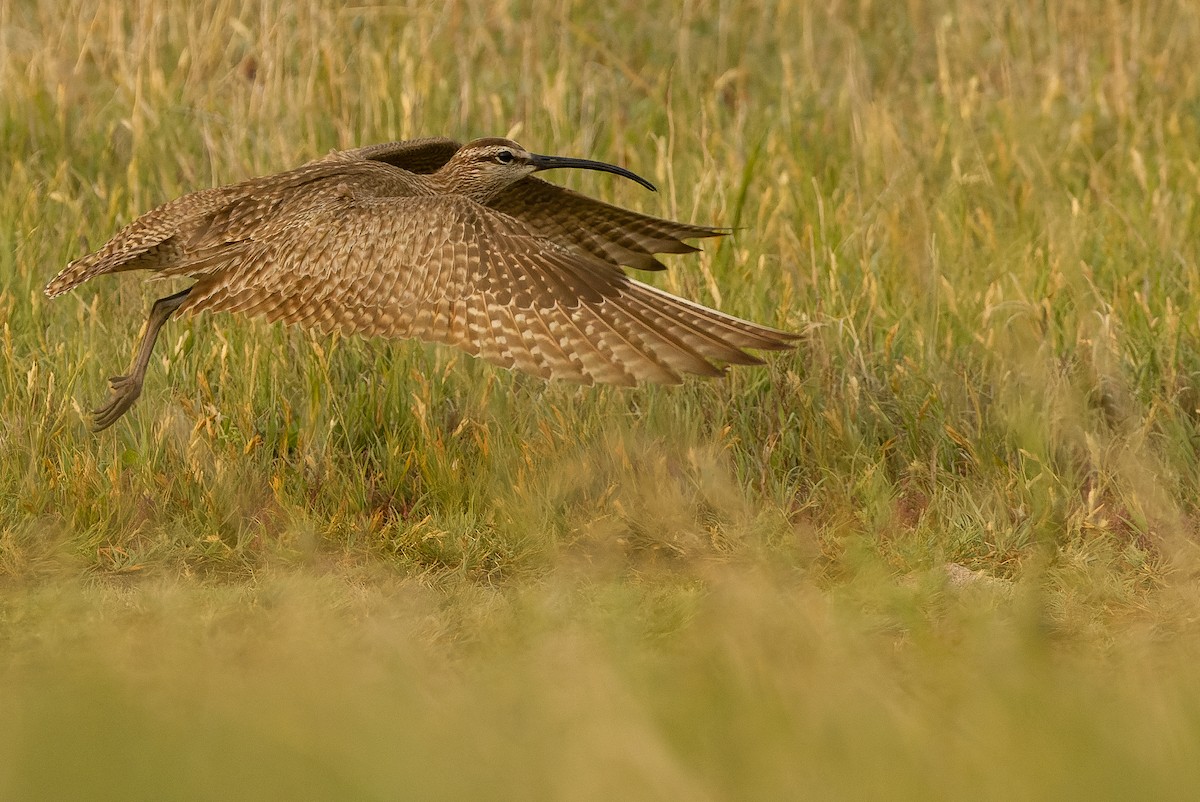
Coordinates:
(446, 269)
(600, 229)
(422, 156)
(609, 232)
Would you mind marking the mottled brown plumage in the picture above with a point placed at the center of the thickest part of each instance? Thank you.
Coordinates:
(431, 239)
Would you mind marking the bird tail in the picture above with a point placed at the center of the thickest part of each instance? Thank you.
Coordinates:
(147, 243)
(74, 274)
(105, 260)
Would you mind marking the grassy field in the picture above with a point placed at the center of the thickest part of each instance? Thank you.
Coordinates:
(307, 567)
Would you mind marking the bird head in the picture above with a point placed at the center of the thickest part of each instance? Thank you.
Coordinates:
(483, 168)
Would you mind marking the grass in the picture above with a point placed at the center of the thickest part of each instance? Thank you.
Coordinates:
(317, 567)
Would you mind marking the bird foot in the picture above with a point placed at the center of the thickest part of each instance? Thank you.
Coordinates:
(123, 392)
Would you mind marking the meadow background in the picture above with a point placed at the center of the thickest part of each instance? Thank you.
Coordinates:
(306, 567)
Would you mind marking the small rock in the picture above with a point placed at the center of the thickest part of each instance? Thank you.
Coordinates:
(961, 576)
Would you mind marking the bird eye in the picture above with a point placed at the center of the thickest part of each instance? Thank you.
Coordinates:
(505, 157)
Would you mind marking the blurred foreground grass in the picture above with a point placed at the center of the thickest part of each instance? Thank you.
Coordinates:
(309, 566)
(306, 686)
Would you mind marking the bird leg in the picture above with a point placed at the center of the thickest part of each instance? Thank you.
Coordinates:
(124, 390)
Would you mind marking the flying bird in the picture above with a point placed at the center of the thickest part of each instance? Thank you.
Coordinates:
(448, 243)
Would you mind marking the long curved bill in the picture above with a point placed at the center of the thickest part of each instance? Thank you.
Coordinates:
(541, 162)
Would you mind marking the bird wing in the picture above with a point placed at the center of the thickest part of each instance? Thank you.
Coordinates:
(446, 269)
(422, 156)
(600, 229)
(609, 232)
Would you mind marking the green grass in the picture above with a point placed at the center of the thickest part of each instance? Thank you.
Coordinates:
(312, 567)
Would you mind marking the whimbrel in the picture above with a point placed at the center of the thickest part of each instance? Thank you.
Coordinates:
(431, 239)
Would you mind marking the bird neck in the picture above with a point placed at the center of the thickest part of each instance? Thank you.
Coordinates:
(452, 180)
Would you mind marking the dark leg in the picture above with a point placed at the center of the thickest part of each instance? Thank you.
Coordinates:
(124, 390)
